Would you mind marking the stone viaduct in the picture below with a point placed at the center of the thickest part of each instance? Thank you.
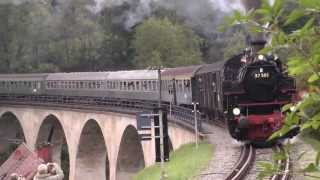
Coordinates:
(93, 145)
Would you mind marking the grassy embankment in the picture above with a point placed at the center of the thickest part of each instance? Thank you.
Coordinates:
(185, 163)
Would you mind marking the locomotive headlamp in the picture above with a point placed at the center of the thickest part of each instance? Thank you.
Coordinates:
(236, 111)
(292, 108)
(261, 57)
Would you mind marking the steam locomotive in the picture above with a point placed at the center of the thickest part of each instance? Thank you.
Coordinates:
(247, 91)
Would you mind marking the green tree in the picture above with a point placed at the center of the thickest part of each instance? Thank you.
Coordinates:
(13, 32)
(302, 44)
(159, 41)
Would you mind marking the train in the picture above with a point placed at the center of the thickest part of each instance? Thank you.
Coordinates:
(246, 91)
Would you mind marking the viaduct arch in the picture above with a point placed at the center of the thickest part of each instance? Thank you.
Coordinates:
(103, 145)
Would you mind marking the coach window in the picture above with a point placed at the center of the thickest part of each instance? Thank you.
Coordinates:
(107, 85)
(133, 86)
(177, 86)
(214, 88)
(144, 85)
(149, 86)
(117, 85)
(138, 85)
(124, 85)
(187, 85)
(129, 86)
(154, 84)
(121, 84)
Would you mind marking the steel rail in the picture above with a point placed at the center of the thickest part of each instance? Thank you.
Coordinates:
(244, 163)
(284, 165)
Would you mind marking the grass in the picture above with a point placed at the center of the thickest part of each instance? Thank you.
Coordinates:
(184, 164)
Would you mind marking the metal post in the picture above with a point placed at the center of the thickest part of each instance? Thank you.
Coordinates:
(160, 84)
(195, 122)
(161, 127)
(170, 109)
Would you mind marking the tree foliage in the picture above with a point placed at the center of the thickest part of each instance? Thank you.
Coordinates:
(297, 32)
(160, 42)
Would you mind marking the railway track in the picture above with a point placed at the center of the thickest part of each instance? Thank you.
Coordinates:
(284, 166)
(243, 165)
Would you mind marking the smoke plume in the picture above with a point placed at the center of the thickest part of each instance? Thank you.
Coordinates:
(202, 15)
(15, 2)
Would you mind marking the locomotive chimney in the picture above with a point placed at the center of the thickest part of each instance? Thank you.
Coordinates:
(257, 41)
(257, 45)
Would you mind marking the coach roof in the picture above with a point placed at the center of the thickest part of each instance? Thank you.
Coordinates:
(23, 77)
(134, 75)
(78, 76)
(185, 72)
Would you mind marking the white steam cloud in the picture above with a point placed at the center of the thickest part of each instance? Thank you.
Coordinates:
(16, 2)
(203, 15)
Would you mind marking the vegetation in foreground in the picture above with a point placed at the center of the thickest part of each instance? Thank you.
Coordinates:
(293, 27)
(185, 163)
